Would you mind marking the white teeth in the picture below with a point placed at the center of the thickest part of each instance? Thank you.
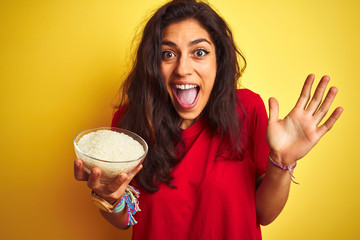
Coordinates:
(186, 86)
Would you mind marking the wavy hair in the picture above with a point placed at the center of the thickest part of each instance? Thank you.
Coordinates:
(148, 109)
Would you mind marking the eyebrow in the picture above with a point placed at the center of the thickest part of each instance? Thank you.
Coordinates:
(199, 41)
(196, 41)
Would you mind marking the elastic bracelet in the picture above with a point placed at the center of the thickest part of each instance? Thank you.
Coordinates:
(288, 168)
(131, 200)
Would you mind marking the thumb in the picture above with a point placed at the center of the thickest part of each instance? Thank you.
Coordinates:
(133, 173)
(273, 110)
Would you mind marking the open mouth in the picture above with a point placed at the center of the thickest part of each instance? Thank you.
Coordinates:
(186, 95)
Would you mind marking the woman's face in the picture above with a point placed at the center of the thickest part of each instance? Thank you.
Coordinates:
(188, 67)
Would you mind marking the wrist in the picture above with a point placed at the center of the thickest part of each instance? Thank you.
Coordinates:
(288, 168)
(280, 160)
(128, 202)
(105, 204)
(110, 200)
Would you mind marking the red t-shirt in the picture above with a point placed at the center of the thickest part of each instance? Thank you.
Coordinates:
(215, 196)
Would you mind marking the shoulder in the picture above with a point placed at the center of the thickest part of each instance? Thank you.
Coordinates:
(251, 106)
(119, 113)
(248, 98)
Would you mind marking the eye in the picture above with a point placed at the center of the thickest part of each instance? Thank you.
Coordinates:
(166, 55)
(200, 53)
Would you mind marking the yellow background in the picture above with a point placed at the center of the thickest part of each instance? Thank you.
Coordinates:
(61, 64)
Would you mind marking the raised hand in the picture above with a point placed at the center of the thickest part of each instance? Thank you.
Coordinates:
(294, 136)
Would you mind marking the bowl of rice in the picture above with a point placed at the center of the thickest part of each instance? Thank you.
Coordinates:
(113, 150)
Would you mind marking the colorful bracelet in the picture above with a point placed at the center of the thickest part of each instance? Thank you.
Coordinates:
(131, 200)
(289, 168)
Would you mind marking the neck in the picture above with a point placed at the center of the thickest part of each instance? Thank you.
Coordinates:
(186, 123)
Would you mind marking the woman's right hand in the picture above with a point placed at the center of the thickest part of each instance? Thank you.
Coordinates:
(110, 192)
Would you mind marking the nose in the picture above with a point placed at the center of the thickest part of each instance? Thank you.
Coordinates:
(184, 66)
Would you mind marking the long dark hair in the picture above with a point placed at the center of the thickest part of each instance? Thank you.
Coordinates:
(148, 109)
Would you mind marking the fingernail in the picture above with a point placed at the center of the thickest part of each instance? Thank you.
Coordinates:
(94, 173)
(78, 163)
(123, 177)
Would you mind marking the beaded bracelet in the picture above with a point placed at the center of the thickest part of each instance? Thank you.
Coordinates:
(131, 200)
(289, 168)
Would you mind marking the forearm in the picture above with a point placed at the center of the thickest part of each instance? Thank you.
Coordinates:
(272, 194)
(119, 219)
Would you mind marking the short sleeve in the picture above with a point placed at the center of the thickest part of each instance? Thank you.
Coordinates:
(115, 119)
(117, 116)
(261, 149)
(256, 118)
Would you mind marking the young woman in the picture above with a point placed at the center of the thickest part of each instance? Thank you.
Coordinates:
(217, 168)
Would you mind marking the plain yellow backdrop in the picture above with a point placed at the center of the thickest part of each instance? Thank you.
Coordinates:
(62, 62)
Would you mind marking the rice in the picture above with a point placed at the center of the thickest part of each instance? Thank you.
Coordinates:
(112, 147)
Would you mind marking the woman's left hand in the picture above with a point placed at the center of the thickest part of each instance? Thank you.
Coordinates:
(294, 136)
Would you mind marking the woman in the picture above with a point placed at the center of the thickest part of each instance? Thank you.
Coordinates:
(217, 168)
